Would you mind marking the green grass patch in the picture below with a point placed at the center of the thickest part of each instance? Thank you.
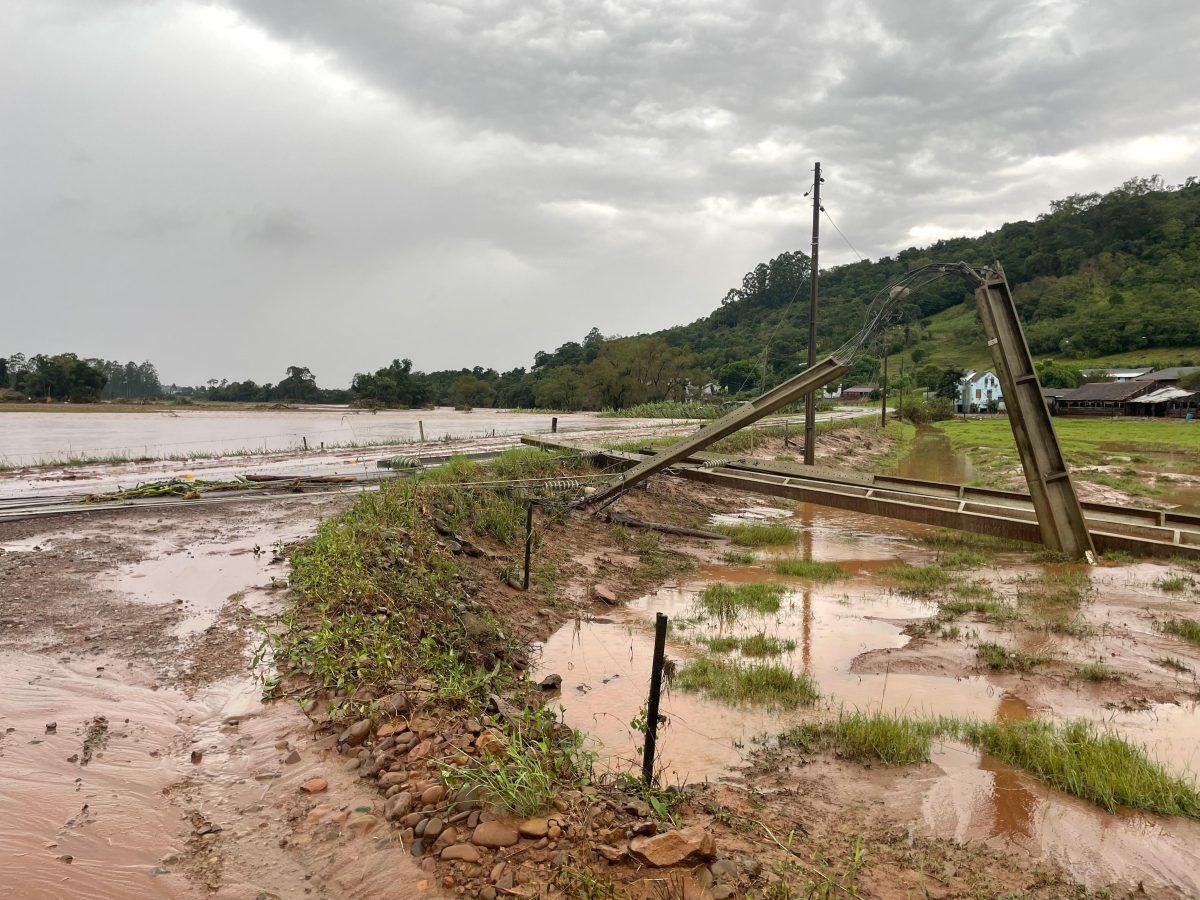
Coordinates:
(965, 540)
(525, 775)
(988, 607)
(811, 569)
(766, 684)
(919, 581)
(726, 601)
(1173, 585)
(996, 657)
(1098, 672)
(759, 535)
(964, 558)
(1188, 629)
(739, 558)
(1074, 757)
(893, 740)
(754, 645)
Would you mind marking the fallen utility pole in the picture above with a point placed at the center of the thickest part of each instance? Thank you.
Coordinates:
(787, 393)
(1058, 511)
(810, 401)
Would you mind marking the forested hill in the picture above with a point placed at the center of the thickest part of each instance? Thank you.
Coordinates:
(1097, 275)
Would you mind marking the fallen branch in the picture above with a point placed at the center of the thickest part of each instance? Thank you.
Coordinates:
(620, 518)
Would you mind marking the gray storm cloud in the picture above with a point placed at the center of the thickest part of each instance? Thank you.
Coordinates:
(229, 188)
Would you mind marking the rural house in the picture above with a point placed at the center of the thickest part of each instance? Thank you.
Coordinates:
(977, 390)
(859, 392)
(1102, 398)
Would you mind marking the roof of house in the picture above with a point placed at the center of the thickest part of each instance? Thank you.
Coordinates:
(1119, 373)
(1172, 374)
(1056, 392)
(1112, 391)
(1165, 394)
(861, 387)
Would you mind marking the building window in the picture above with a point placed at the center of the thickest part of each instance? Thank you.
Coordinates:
(978, 393)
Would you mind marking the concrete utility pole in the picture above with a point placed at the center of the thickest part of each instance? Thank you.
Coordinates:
(884, 386)
(810, 401)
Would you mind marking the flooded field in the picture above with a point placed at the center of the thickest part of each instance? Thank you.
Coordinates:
(29, 437)
(852, 636)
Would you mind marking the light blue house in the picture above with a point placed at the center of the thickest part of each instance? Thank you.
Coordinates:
(976, 392)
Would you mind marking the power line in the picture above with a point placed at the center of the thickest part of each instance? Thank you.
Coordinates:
(861, 258)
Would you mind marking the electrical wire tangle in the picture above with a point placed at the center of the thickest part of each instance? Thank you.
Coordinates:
(882, 307)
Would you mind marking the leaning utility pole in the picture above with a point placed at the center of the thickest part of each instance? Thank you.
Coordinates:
(810, 401)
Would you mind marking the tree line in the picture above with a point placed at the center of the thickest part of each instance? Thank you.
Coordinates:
(1098, 274)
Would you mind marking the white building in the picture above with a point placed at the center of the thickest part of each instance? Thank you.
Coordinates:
(977, 390)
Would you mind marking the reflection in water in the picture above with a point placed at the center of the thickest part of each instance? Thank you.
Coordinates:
(933, 458)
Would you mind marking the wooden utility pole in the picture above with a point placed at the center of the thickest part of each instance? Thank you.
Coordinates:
(810, 401)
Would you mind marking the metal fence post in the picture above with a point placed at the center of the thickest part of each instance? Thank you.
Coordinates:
(656, 669)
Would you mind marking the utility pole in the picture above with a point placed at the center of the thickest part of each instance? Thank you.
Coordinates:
(883, 406)
(810, 401)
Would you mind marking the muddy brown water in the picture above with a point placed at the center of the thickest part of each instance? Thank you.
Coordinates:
(28, 437)
(604, 663)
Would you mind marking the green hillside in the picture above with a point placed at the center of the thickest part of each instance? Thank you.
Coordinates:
(1099, 278)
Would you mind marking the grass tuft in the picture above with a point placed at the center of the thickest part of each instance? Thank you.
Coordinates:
(1188, 629)
(759, 535)
(726, 601)
(766, 684)
(919, 581)
(811, 569)
(755, 645)
(1098, 672)
(893, 740)
(739, 558)
(996, 657)
(1173, 585)
(1074, 757)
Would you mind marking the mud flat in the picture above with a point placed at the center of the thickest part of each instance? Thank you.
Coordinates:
(136, 756)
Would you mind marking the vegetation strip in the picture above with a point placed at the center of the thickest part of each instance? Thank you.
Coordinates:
(1074, 757)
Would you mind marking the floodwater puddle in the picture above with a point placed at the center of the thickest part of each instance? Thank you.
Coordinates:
(201, 577)
(967, 795)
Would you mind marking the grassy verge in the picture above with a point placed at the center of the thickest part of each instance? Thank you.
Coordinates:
(765, 684)
(1074, 757)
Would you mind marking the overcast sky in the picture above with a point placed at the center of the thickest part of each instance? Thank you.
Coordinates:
(228, 188)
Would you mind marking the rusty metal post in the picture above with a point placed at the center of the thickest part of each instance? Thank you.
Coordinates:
(1059, 515)
(554, 425)
(656, 670)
